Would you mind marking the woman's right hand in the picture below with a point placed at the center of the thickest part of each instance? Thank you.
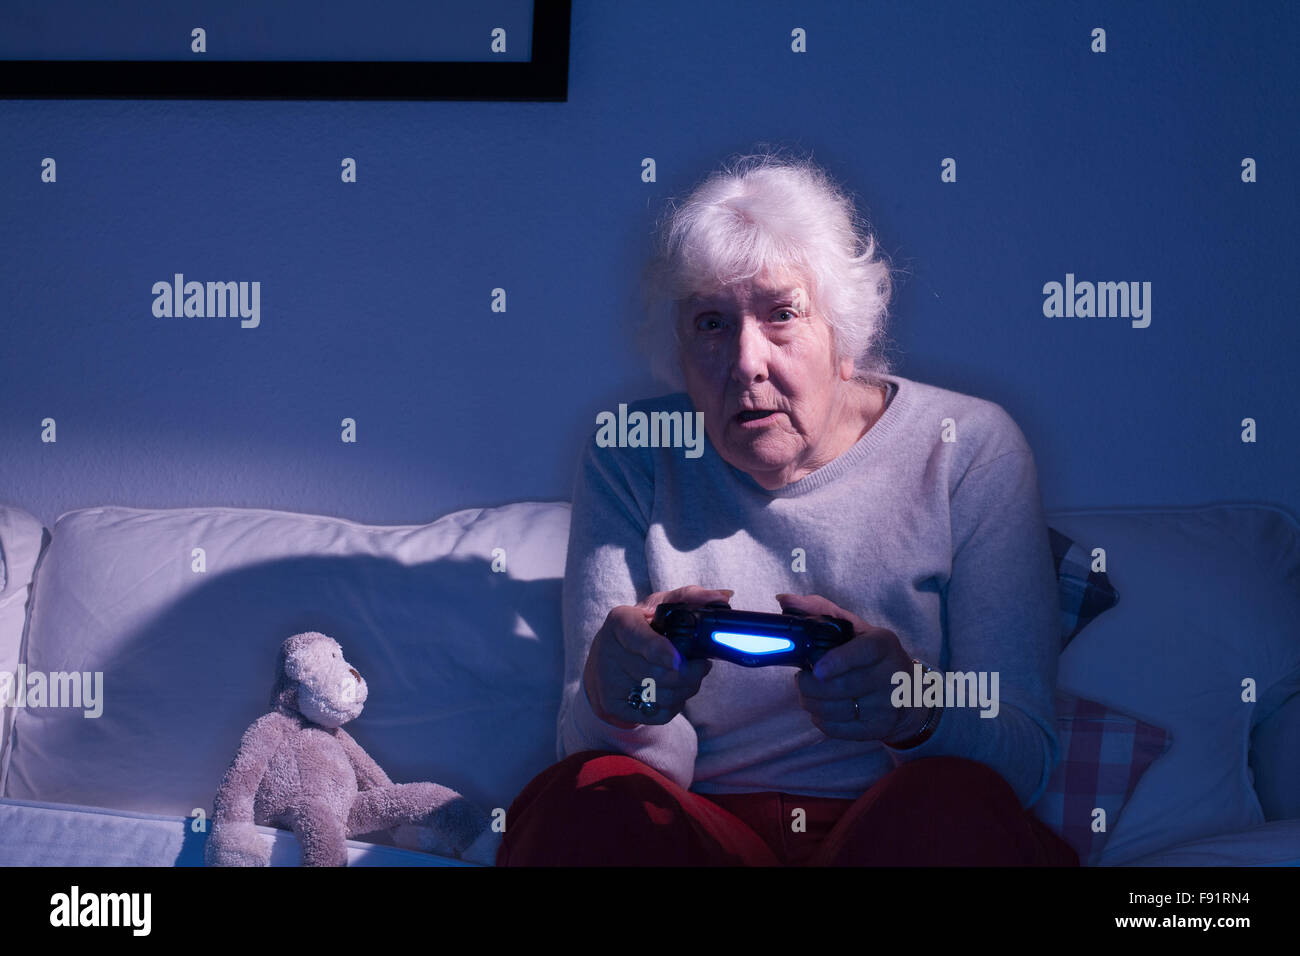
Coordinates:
(627, 650)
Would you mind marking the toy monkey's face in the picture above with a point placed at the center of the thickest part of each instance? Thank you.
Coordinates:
(330, 691)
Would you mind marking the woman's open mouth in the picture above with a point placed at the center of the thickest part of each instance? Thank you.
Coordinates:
(756, 417)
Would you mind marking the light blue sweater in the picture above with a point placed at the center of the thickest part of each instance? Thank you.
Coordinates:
(944, 542)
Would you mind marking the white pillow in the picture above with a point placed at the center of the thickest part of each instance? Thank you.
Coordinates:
(464, 664)
(1208, 598)
(1269, 844)
(21, 536)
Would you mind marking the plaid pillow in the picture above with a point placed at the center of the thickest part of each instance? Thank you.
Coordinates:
(1103, 756)
(1084, 593)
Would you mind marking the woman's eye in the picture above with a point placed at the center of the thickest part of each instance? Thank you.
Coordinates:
(790, 312)
(708, 322)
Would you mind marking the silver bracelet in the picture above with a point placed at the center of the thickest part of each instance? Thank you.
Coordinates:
(927, 726)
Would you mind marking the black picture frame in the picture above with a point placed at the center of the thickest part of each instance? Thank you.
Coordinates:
(544, 78)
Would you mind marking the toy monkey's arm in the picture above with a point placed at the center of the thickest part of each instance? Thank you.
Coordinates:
(234, 800)
(369, 774)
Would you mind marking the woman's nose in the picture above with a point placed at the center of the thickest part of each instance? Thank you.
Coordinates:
(751, 352)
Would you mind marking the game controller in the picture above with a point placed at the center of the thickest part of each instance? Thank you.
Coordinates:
(750, 638)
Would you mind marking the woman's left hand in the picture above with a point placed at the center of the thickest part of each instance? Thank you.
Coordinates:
(860, 670)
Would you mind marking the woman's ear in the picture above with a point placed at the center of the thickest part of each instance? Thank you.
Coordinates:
(846, 369)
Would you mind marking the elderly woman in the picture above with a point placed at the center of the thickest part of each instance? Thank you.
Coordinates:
(830, 486)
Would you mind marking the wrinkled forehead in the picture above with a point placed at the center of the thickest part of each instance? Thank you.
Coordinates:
(769, 287)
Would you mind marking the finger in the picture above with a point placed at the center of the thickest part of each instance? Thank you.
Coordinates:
(871, 710)
(837, 660)
(665, 698)
(873, 717)
(629, 672)
(665, 704)
(824, 709)
(669, 691)
(635, 636)
(866, 705)
(692, 674)
(688, 594)
(857, 682)
(621, 690)
(862, 666)
(697, 594)
(868, 651)
(687, 677)
(816, 604)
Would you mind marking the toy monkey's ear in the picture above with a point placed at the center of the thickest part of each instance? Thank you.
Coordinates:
(293, 665)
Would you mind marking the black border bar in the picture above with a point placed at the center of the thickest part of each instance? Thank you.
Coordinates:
(545, 78)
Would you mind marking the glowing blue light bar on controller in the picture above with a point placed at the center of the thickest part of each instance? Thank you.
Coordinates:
(753, 643)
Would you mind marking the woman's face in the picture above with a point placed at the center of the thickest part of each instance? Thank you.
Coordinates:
(763, 371)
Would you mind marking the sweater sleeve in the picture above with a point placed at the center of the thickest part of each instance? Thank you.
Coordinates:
(606, 567)
(1002, 618)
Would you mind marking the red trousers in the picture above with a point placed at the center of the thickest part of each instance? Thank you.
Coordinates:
(598, 808)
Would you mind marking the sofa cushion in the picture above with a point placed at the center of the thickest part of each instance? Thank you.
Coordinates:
(455, 625)
(1103, 756)
(21, 539)
(1084, 593)
(1204, 644)
(49, 834)
(1276, 843)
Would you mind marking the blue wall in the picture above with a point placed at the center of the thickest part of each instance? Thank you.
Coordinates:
(376, 296)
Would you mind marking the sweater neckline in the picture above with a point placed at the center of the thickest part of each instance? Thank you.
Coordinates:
(895, 409)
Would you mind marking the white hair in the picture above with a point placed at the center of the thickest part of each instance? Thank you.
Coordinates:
(763, 213)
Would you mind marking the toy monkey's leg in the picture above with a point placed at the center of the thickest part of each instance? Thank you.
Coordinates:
(320, 833)
(449, 822)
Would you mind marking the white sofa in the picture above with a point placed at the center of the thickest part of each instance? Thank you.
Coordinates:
(456, 627)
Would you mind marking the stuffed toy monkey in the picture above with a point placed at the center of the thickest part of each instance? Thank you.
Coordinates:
(298, 769)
